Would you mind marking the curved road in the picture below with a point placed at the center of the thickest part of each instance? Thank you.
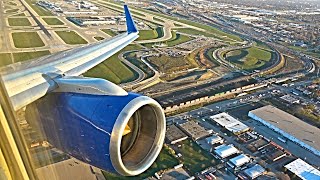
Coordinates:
(141, 74)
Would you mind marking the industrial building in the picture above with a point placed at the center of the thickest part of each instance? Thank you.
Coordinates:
(93, 20)
(303, 170)
(254, 171)
(225, 151)
(230, 123)
(258, 145)
(174, 134)
(238, 161)
(289, 126)
(276, 155)
(214, 139)
(194, 130)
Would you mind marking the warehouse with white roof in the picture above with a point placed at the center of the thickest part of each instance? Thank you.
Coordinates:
(238, 161)
(254, 171)
(225, 151)
(230, 123)
(214, 139)
(289, 126)
(303, 170)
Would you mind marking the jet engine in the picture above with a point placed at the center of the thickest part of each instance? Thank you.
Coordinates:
(100, 124)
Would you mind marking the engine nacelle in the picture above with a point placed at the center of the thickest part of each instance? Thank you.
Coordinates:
(120, 134)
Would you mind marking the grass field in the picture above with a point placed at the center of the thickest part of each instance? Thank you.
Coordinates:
(53, 21)
(5, 59)
(249, 59)
(71, 37)
(23, 56)
(164, 161)
(195, 32)
(194, 157)
(27, 40)
(99, 38)
(177, 39)
(109, 32)
(150, 34)
(196, 24)
(209, 55)
(137, 62)
(113, 69)
(262, 45)
(39, 10)
(147, 34)
(169, 64)
(19, 22)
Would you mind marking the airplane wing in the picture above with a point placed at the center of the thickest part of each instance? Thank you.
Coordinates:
(90, 119)
(28, 81)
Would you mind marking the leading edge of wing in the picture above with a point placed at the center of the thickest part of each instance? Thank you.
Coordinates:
(27, 82)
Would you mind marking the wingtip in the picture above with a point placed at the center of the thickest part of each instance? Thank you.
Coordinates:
(131, 27)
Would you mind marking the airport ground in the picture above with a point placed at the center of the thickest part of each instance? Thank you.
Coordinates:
(210, 58)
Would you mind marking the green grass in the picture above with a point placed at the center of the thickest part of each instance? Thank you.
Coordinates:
(150, 34)
(99, 38)
(255, 52)
(164, 161)
(195, 32)
(147, 34)
(27, 40)
(53, 21)
(71, 37)
(208, 28)
(19, 22)
(39, 10)
(194, 158)
(12, 10)
(250, 58)
(209, 55)
(262, 45)
(169, 64)
(137, 62)
(113, 69)
(23, 56)
(177, 39)
(5, 59)
(109, 32)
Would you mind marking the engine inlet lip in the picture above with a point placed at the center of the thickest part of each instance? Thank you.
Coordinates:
(119, 126)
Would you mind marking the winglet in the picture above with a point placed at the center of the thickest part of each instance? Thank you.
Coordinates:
(131, 27)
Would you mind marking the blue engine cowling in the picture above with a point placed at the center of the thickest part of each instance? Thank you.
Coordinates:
(91, 128)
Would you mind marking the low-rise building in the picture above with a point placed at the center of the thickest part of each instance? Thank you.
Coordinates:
(174, 134)
(254, 171)
(238, 161)
(225, 151)
(194, 130)
(230, 123)
(303, 170)
(276, 155)
(214, 139)
(289, 127)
